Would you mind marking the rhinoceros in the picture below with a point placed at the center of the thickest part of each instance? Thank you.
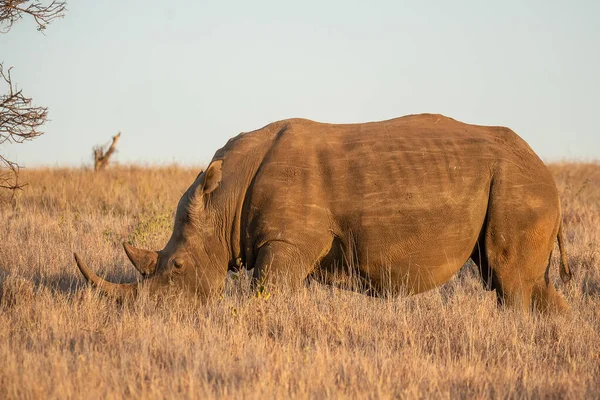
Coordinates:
(400, 205)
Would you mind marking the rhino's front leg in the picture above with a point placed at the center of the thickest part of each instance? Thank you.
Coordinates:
(281, 265)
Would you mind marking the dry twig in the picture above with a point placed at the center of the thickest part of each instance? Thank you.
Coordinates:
(13, 10)
(19, 121)
(102, 154)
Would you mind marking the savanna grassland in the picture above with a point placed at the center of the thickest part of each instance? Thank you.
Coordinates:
(59, 339)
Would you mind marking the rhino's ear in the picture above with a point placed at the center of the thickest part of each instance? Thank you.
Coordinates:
(212, 176)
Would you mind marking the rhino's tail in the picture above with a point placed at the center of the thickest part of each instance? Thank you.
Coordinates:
(565, 271)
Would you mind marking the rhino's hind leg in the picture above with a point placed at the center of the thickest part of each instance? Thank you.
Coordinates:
(511, 289)
(516, 268)
(520, 234)
(522, 280)
(545, 297)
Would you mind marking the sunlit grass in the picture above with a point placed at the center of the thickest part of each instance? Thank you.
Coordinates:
(59, 339)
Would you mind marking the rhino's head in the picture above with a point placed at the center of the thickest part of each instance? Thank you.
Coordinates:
(194, 259)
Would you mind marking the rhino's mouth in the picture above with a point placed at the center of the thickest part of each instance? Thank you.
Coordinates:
(119, 291)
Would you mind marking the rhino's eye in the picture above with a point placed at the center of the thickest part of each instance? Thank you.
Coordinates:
(178, 263)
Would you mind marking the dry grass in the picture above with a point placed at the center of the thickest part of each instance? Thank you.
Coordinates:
(58, 339)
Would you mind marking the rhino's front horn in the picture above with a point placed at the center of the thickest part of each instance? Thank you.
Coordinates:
(143, 260)
(118, 291)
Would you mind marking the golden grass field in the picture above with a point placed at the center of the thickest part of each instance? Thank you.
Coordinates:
(59, 339)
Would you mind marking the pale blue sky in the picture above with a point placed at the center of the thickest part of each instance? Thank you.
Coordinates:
(180, 78)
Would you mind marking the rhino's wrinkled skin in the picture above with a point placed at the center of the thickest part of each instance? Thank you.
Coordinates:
(397, 205)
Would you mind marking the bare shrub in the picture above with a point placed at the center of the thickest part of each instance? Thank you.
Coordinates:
(102, 154)
(19, 119)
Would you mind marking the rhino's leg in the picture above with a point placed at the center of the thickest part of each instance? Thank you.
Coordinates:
(517, 296)
(518, 277)
(516, 259)
(546, 298)
(521, 231)
(280, 264)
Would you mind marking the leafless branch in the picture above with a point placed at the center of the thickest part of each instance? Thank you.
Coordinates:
(102, 154)
(43, 14)
(19, 121)
(10, 179)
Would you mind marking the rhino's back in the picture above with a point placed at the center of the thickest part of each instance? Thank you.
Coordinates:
(416, 154)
